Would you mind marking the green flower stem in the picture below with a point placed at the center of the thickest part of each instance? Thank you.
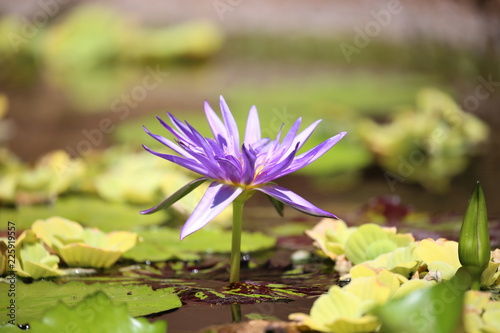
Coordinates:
(476, 284)
(236, 313)
(234, 275)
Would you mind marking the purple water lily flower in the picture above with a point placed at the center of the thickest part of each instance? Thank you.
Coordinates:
(236, 168)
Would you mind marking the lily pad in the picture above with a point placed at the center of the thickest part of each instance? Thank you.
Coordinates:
(34, 298)
(89, 211)
(97, 311)
(164, 244)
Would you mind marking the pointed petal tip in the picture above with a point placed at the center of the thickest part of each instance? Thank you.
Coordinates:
(184, 234)
(147, 211)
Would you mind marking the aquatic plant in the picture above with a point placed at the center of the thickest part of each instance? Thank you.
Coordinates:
(474, 243)
(33, 260)
(432, 279)
(84, 247)
(235, 171)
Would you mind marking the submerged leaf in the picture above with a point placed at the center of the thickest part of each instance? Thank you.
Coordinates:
(100, 313)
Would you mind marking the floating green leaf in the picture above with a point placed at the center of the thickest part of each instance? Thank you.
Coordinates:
(429, 144)
(338, 311)
(163, 244)
(83, 247)
(481, 314)
(9, 328)
(437, 309)
(33, 260)
(97, 312)
(348, 309)
(330, 236)
(439, 255)
(402, 261)
(55, 173)
(34, 298)
(90, 211)
(370, 240)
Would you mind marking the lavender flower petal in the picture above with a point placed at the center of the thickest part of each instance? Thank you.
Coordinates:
(168, 143)
(216, 125)
(232, 128)
(252, 131)
(302, 137)
(217, 197)
(293, 200)
(189, 164)
(311, 155)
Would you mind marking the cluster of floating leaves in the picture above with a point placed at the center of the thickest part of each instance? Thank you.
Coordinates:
(96, 310)
(383, 267)
(429, 144)
(40, 249)
(93, 188)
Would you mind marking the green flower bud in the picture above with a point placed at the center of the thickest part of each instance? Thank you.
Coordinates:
(474, 249)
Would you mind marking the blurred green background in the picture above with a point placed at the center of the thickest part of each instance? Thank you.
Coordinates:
(415, 84)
